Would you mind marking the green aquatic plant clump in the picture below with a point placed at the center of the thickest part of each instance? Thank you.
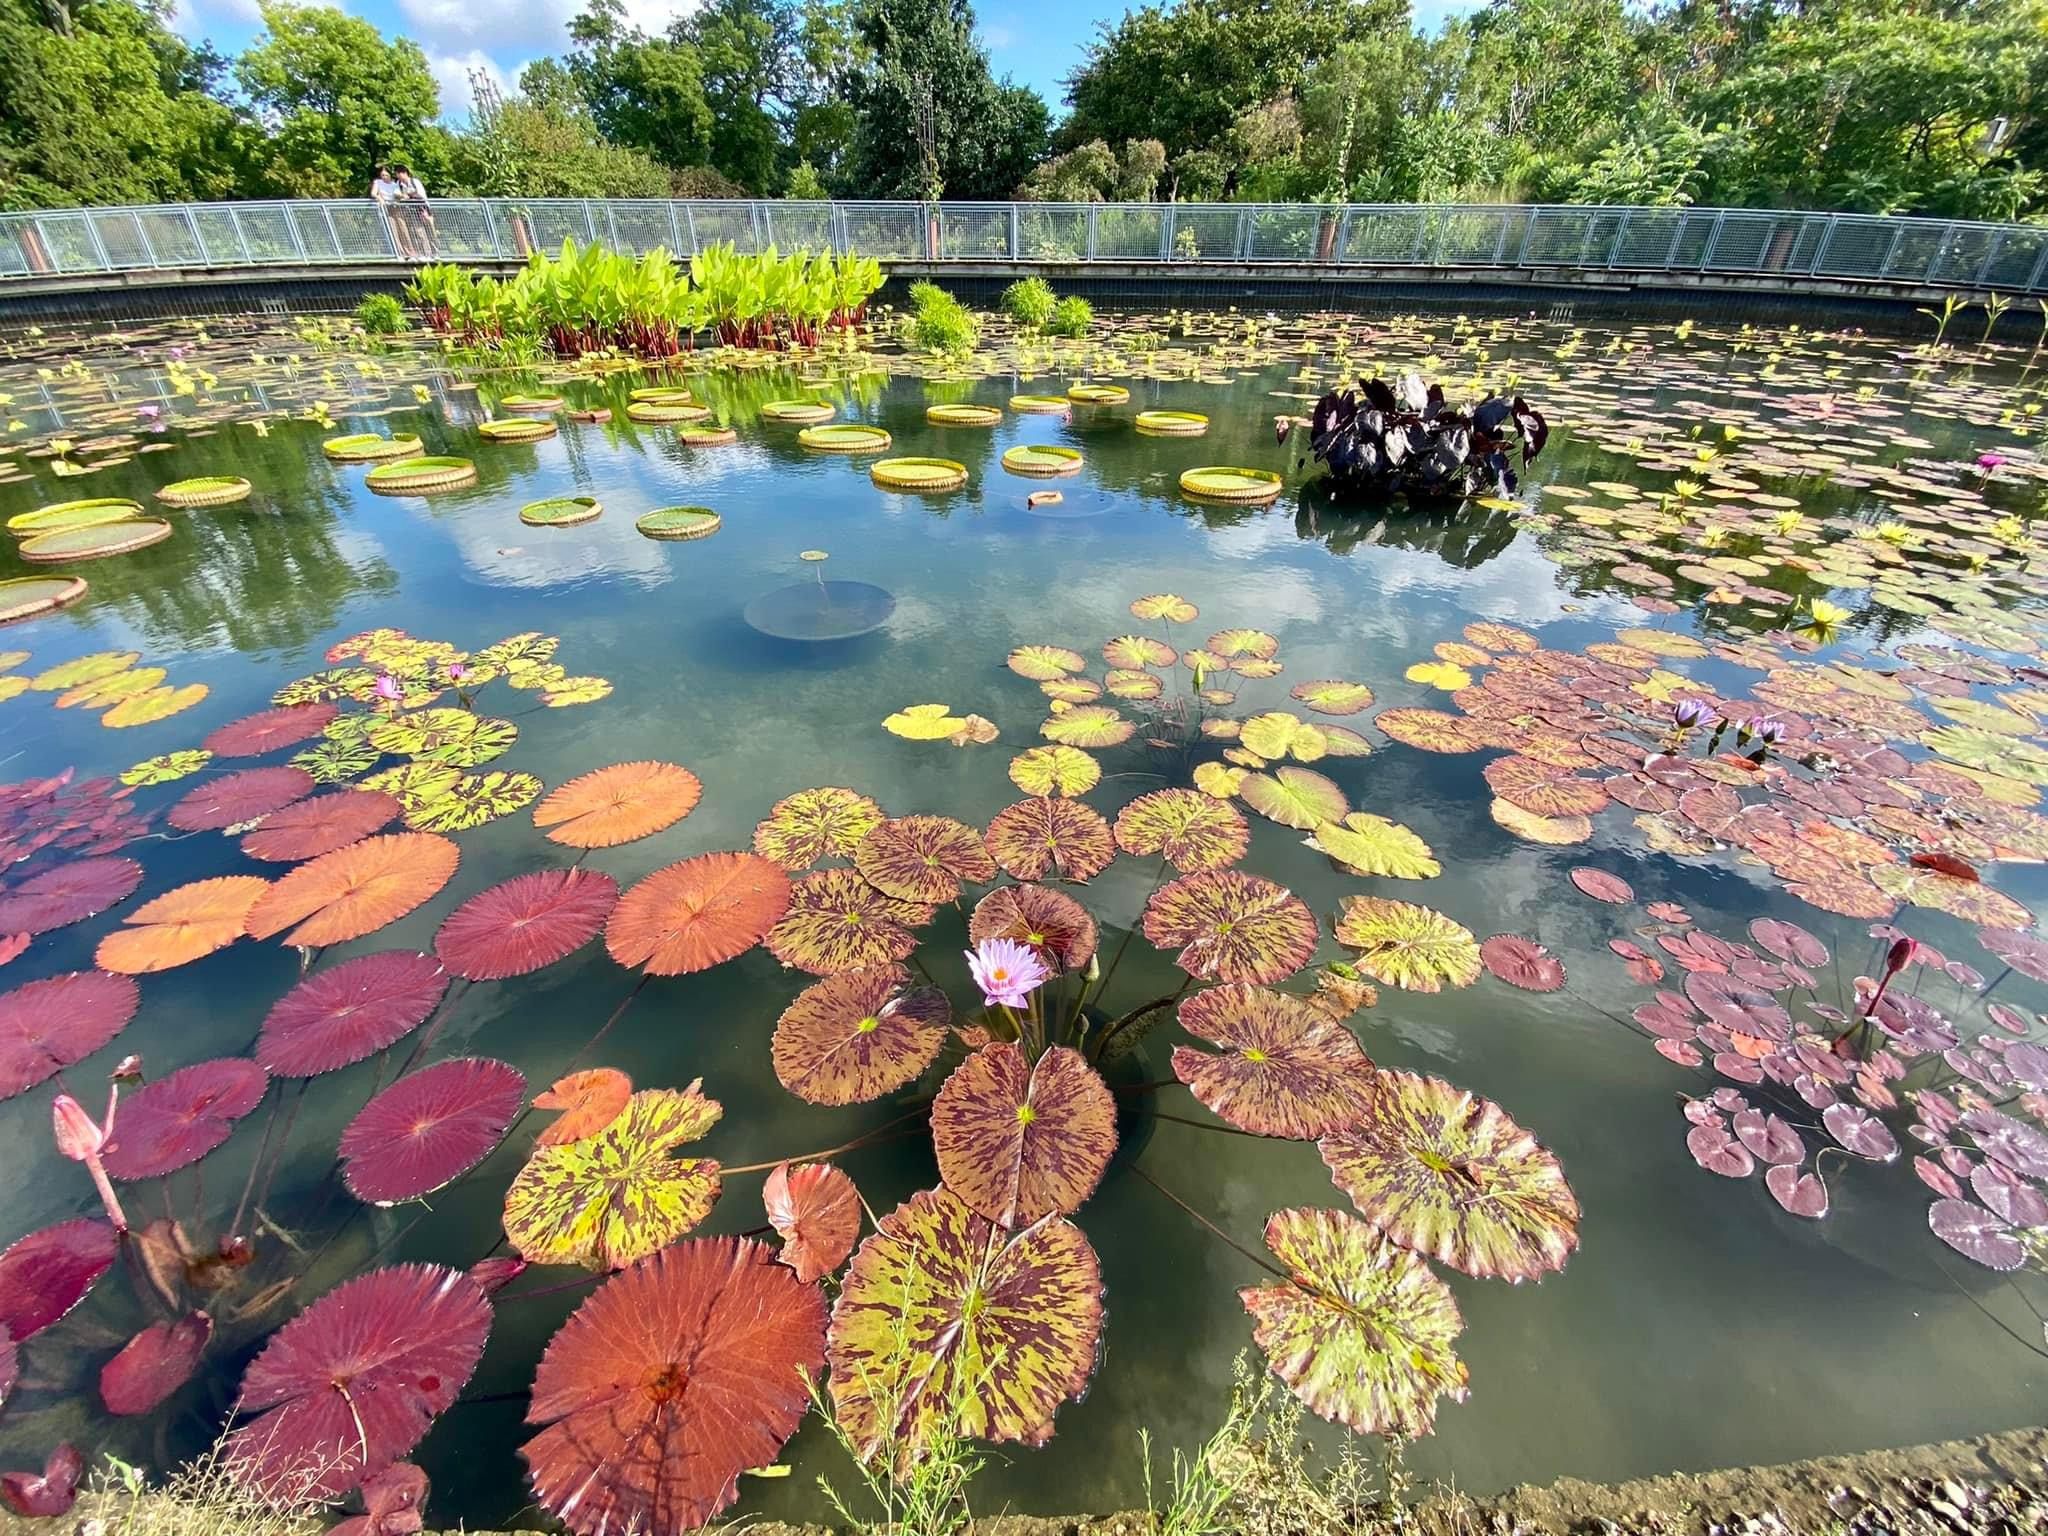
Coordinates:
(380, 314)
(1030, 302)
(1071, 317)
(939, 321)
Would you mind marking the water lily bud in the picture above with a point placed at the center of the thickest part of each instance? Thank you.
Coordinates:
(78, 1136)
(1896, 957)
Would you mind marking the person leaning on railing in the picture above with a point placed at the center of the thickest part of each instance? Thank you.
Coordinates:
(385, 193)
(412, 195)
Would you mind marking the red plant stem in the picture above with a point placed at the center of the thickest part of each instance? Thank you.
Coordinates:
(865, 1138)
(263, 1148)
(433, 1025)
(284, 1140)
(552, 1290)
(1214, 1230)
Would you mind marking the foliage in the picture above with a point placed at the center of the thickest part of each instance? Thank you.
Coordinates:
(1071, 317)
(380, 314)
(545, 143)
(1376, 440)
(940, 322)
(1029, 302)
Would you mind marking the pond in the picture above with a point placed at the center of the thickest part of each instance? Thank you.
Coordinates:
(1699, 489)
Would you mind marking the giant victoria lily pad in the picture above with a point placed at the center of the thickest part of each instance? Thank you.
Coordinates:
(942, 1314)
(1287, 1068)
(525, 923)
(1405, 945)
(349, 1012)
(618, 804)
(697, 913)
(47, 1025)
(1045, 837)
(1362, 1333)
(356, 1380)
(672, 1379)
(923, 858)
(856, 1036)
(837, 922)
(429, 1128)
(1194, 831)
(355, 890)
(619, 1195)
(812, 825)
(1448, 1174)
(1231, 926)
(44, 1275)
(175, 1121)
(1018, 1140)
(1050, 923)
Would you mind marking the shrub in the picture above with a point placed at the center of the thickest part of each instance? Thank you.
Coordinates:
(381, 314)
(940, 321)
(1029, 302)
(1071, 316)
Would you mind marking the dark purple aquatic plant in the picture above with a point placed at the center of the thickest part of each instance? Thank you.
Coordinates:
(1377, 439)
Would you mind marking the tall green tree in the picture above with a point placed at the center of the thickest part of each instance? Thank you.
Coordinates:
(646, 93)
(929, 117)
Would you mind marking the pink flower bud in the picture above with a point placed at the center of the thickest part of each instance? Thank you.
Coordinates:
(78, 1137)
(1897, 957)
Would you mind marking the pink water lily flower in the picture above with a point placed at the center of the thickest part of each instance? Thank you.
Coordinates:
(82, 1140)
(1990, 461)
(1007, 972)
(388, 688)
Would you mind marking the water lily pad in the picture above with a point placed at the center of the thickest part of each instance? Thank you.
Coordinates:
(44, 1275)
(1286, 1069)
(153, 1365)
(1294, 797)
(417, 476)
(1054, 770)
(697, 913)
(621, 1194)
(204, 491)
(49, 1024)
(1253, 487)
(678, 523)
(1098, 394)
(1231, 926)
(1522, 962)
(1446, 1173)
(1042, 461)
(181, 925)
(561, 511)
(366, 447)
(68, 893)
(837, 922)
(1044, 663)
(429, 1128)
(1366, 845)
(1171, 423)
(343, 1014)
(924, 859)
(24, 597)
(153, 705)
(1362, 1332)
(1018, 1140)
(457, 736)
(844, 437)
(1194, 831)
(1050, 923)
(73, 514)
(924, 722)
(1410, 946)
(355, 890)
(1333, 697)
(308, 828)
(619, 804)
(914, 474)
(1088, 725)
(175, 1121)
(1045, 837)
(1133, 651)
(588, 1100)
(472, 800)
(523, 924)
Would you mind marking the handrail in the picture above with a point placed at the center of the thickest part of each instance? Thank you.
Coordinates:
(1785, 244)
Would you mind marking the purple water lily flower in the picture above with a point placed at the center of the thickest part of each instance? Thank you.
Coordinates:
(149, 412)
(457, 672)
(1990, 461)
(1689, 714)
(1769, 730)
(1006, 971)
(388, 688)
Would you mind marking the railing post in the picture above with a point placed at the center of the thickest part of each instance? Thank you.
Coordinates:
(1984, 267)
(1713, 238)
(1820, 252)
(1620, 233)
(675, 228)
(1016, 233)
(1342, 243)
(291, 226)
(1500, 245)
(493, 242)
(1891, 251)
(1091, 231)
(333, 235)
(2039, 277)
(99, 246)
(241, 238)
(1528, 234)
(148, 245)
(1166, 231)
(1244, 234)
(1421, 216)
(384, 223)
(1677, 237)
(1948, 240)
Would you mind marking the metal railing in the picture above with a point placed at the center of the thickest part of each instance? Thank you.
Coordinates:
(1675, 241)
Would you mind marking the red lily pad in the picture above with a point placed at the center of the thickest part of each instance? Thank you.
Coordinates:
(674, 1377)
(525, 923)
(175, 1121)
(1522, 963)
(1601, 886)
(354, 1382)
(337, 1017)
(1716, 1151)
(40, 1496)
(47, 1273)
(154, 1364)
(1788, 941)
(817, 1211)
(68, 893)
(1977, 1234)
(309, 828)
(1803, 1194)
(696, 913)
(393, 1498)
(428, 1129)
(47, 1025)
(238, 797)
(1018, 1140)
(269, 729)
(589, 1101)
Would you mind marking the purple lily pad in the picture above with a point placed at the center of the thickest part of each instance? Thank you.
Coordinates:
(1683, 1052)
(1861, 1132)
(47, 1273)
(1937, 1178)
(52, 1492)
(2010, 1197)
(1814, 1091)
(1769, 1137)
(1741, 1068)
(1802, 1194)
(174, 1122)
(2012, 1142)
(1717, 1152)
(47, 1025)
(67, 894)
(1977, 1234)
(154, 1364)
(2028, 1064)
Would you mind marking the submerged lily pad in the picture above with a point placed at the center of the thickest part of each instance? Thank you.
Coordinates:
(821, 610)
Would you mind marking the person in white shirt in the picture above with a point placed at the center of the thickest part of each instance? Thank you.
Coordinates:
(386, 193)
(412, 197)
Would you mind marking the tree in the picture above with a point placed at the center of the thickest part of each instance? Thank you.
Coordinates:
(928, 117)
(647, 93)
(542, 143)
(340, 97)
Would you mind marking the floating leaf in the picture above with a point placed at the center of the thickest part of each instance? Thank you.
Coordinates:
(589, 1101)
(182, 925)
(108, 690)
(1522, 963)
(320, 825)
(1543, 789)
(49, 1024)
(83, 669)
(67, 893)
(1137, 686)
(1277, 734)
(853, 1037)
(1233, 643)
(1287, 1068)
(175, 1121)
(459, 737)
(837, 921)
(1977, 1234)
(154, 705)
(817, 1211)
(696, 913)
(1088, 725)
(1446, 1173)
(674, 1378)
(618, 804)
(472, 800)
(1231, 926)
(812, 825)
(1431, 730)
(1037, 838)
(154, 1364)
(1133, 651)
(1042, 663)
(1294, 797)
(349, 1012)
(1446, 675)
(254, 735)
(355, 890)
(524, 923)
(1054, 771)
(923, 858)
(1019, 1140)
(44, 1275)
(1193, 831)
(1164, 605)
(1405, 945)
(1602, 886)
(336, 762)
(619, 1195)
(429, 1128)
(1332, 697)
(576, 690)
(167, 768)
(1363, 1332)
(924, 722)
(1218, 781)
(238, 797)
(355, 1381)
(944, 1319)
(1051, 924)
(1368, 845)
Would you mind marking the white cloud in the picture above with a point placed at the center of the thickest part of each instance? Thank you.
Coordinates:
(451, 75)
(195, 20)
(508, 28)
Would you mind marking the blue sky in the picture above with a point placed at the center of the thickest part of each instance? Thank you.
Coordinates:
(1036, 41)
